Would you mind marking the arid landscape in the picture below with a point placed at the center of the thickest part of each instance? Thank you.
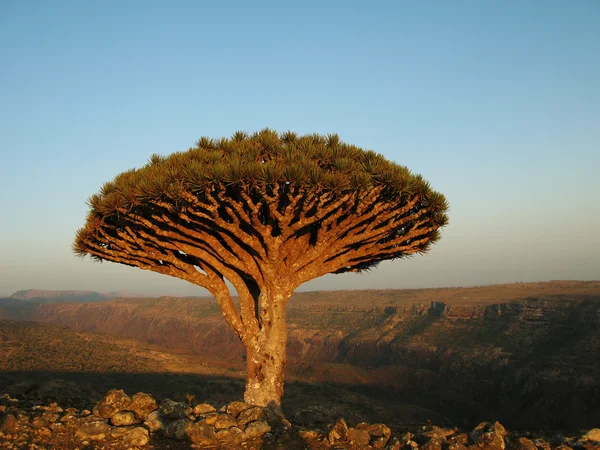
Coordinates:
(522, 354)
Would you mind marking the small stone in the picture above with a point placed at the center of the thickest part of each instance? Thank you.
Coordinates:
(460, 438)
(432, 444)
(138, 437)
(178, 429)
(311, 434)
(379, 431)
(124, 418)
(174, 410)
(356, 436)
(116, 400)
(542, 444)
(235, 408)
(119, 432)
(523, 444)
(592, 435)
(203, 408)
(94, 431)
(51, 416)
(201, 433)
(258, 428)
(338, 432)
(211, 418)
(394, 444)
(154, 422)
(8, 423)
(232, 436)
(142, 404)
(250, 415)
(225, 421)
(439, 433)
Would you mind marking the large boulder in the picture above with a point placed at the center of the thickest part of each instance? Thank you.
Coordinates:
(115, 401)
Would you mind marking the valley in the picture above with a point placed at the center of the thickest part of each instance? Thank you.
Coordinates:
(523, 354)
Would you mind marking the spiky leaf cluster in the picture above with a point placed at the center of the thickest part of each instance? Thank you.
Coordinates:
(265, 198)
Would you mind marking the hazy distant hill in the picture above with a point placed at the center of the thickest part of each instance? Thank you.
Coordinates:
(47, 296)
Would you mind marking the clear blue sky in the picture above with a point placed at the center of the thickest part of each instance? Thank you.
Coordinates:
(496, 103)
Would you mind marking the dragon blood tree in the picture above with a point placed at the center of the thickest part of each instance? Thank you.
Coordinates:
(266, 212)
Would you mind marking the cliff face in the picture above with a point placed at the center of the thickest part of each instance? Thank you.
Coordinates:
(531, 363)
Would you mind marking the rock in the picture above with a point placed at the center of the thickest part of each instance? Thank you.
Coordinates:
(523, 444)
(592, 435)
(178, 429)
(174, 410)
(138, 437)
(394, 444)
(432, 444)
(211, 418)
(203, 408)
(439, 433)
(120, 432)
(225, 421)
(154, 422)
(542, 444)
(459, 438)
(39, 422)
(94, 431)
(250, 415)
(124, 418)
(338, 432)
(257, 429)
(489, 436)
(378, 432)
(8, 424)
(142, 404)
(357, 436)
(116, 400)
(201, 433)
(232, 436)
(235, 408)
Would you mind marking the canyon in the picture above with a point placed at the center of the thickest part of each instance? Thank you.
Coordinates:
(524, 354)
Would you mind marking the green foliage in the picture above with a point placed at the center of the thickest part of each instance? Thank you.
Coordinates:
(258, 164)
(261, 159)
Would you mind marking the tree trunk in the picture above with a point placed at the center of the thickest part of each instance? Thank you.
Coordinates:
(266, 355)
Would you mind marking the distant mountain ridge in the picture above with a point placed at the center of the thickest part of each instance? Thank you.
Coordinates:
(49, 296)
(53, 296)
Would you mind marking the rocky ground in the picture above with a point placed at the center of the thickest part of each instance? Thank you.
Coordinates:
(119, 421)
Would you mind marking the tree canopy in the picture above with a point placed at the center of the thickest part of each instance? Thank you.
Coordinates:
(266, 212)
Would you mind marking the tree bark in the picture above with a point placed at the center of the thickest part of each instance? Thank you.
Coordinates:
(266, 354)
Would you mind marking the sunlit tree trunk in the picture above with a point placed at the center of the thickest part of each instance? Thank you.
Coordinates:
(266, 354)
